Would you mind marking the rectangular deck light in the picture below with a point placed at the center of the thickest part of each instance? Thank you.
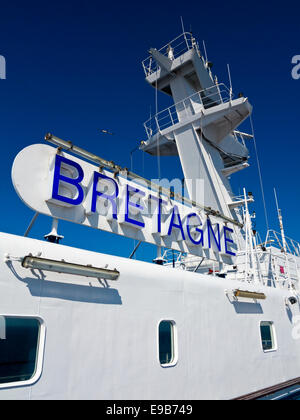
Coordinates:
(251, 295)
(69, 268)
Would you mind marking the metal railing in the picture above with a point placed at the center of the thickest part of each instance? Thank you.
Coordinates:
(272, 269)
(188, 107)
(172, 257)
(172, 50)
(293, 247)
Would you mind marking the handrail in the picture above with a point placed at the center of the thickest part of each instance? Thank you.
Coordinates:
(188, 41)
(293, 246)
(214, 95)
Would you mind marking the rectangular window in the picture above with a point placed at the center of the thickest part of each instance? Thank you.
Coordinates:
(267, 336)
(19, 345)
(166, 333)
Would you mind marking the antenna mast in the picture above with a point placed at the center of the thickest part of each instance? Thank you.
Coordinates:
(284, 243)
(182, 25)
(205, 52)
(230, 82)
(280, 224)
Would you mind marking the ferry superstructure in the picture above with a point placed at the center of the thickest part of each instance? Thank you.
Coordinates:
(219, 321)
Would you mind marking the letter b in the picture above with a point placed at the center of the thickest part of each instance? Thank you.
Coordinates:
(67, 189)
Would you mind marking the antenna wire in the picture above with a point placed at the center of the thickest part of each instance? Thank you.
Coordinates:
(260, 174)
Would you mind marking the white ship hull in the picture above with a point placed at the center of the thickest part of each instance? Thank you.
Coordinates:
(102, 342)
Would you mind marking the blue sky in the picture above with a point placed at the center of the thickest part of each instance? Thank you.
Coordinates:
(75, 67)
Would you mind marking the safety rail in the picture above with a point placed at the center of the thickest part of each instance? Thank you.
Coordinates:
(239, 198)
(273, 237)
(241, 137)
(172, 50)
(271, 268)
(172, 257)
(207, 98)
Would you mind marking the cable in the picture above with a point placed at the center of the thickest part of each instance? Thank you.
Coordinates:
(157, 141)
(260, 175)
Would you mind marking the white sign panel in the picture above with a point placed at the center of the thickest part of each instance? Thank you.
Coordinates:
(65, 187)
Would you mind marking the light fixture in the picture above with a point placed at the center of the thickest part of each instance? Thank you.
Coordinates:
(292, 300)
(69, 268)
(246, 294)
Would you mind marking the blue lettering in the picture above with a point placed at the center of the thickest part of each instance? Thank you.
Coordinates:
(75, 182)
(160, 201)
(175, 212)
(210, 230)
(200, 241)
(111, 198)
(128, 219)
(228, 240)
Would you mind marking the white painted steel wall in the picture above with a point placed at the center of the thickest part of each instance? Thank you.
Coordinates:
(101, 343)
